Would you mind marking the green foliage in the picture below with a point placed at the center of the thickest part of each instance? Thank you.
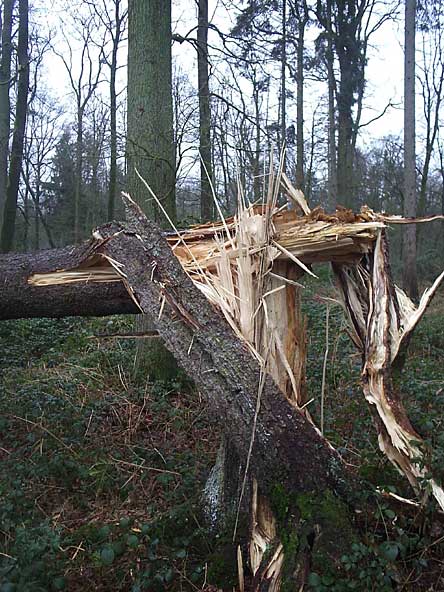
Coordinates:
(365, 569)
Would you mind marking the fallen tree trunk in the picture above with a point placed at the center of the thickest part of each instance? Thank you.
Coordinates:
(20, 300)
(292, 462)
(131, 268)
(212, 354)
(99, 291)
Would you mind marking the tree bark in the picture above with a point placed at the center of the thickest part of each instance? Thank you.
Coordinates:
(300, 176)
(345, 101)
(348, 44)
(21, 300)
(150, 138)
(5, 83)
(257, 143)
(78, 169)
(15, 165)
(206, 169)
(410, 280)
(116, 29)
(283, 121)
(150, 141)
(331, 81)
(113, 118)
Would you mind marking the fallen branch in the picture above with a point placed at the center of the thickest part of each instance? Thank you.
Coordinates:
(140, 335)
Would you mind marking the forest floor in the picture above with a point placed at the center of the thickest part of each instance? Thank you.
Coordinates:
(102, 472)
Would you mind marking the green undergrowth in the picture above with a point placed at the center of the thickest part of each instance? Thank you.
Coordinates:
(102, 469)
(101, 474)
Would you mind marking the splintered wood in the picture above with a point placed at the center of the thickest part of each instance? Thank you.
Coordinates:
(313, 238)
(382, 318)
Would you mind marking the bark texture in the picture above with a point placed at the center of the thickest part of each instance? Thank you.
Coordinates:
(5, 82)
(21, 300)
(15, 164)
(206, 175)
(116, 34)
(301, 10)
(410, 280)
(332, 161)
(150, 141)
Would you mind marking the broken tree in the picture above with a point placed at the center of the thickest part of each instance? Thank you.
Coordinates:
(227, 307)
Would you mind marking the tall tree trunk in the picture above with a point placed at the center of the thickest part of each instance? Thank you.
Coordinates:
(331, 81)
(432, 120)
(345, 102)
(300, 177)
(26, 220)
(441, 171)
(79, 171)
(257, 147)
(349, 49)
(15, 165)
(112, 189)
(150, 140)
(37, 210)
(309, 176)
(206, 169)
(5, 75)
(410, 280)
(284, 81)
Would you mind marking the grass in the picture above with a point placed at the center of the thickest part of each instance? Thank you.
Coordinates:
(102, 474)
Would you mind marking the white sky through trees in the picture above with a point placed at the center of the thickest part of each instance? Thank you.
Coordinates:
(384, 71)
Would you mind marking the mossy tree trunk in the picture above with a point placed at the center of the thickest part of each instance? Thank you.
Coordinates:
(150, 140)
(308, 488)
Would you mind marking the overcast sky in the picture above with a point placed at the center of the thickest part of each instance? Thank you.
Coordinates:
(384, 70)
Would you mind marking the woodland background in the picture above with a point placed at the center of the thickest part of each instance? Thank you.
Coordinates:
(247, 78)
(103, 466)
